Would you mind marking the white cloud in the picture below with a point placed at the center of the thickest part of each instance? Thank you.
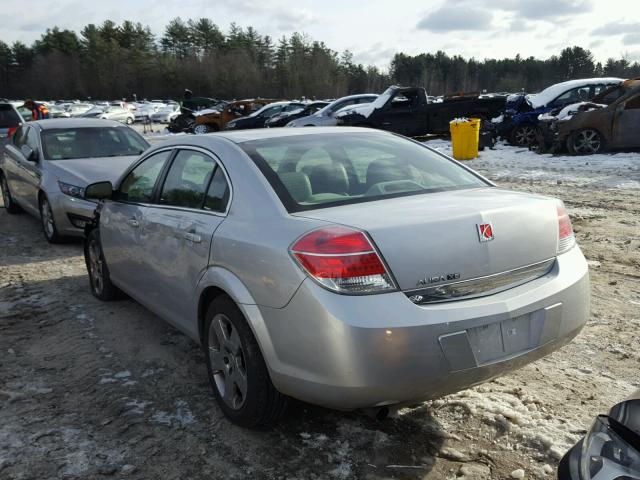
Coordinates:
(455, 18)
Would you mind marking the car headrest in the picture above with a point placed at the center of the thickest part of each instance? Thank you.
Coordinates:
(384, 170)
(330, 178)
(298, 185)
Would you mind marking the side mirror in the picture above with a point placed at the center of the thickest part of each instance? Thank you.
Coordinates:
(98, 191)
(28, 152)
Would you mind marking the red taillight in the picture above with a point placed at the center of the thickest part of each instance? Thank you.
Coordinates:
(343, 260)
(11, 131)
(566, 239)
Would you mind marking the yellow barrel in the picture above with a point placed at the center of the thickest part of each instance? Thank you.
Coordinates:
(465, 137)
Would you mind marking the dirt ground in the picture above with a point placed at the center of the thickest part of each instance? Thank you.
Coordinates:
(95, 390)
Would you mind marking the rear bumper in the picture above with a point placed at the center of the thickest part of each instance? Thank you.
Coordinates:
(349, 352)
(69, 210)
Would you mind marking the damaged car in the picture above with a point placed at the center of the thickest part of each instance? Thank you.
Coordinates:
(215, 120)
(408, 111)
(611, 121)
(520, 119)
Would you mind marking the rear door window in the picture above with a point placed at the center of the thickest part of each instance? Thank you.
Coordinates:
(187, 180)
(218, 193)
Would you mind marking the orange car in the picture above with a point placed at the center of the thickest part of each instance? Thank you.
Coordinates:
(216, 120)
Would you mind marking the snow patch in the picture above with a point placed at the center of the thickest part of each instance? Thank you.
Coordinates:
(181, 417)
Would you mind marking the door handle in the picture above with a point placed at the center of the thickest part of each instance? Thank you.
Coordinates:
(386, 123)
(193, 237)
(133, 223)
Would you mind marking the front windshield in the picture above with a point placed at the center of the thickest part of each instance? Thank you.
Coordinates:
(91, 142)
(323, 170)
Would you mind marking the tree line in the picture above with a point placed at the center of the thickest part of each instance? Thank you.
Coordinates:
(110, 61)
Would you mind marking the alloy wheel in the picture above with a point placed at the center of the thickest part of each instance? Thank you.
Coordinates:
(227, 360)
(47, 219)
(587, 142)
(200, 129)
(524, 135)
(95, 266)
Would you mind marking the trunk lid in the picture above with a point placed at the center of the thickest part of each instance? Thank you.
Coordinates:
(435, 236)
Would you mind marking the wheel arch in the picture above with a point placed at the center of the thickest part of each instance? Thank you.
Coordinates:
(220, 281)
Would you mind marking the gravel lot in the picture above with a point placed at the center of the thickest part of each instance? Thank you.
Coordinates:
(95, 390)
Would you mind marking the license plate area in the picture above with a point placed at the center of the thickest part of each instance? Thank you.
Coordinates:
(492, 342)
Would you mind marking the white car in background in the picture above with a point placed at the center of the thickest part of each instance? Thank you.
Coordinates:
(166, 114)
(119, 114)
(326, 116)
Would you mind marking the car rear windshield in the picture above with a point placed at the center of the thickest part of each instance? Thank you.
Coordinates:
(9, 117)
(324, 170)
(91, 142)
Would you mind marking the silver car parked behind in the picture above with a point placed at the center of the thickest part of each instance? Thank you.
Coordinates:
(48, 163)
(344, 267)
(325, 117)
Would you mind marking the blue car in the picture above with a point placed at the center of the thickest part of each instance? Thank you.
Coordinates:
(520, 119)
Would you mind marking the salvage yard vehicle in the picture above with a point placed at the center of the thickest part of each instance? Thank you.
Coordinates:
(282, 118)
(344, 267)
(166, 113)
(10, 121)
(258, 118)
(119, 114)
(611, 121)
(216, 120)
(326, 117)
(49, 163)
(611, 448)
(406, 110)
(518, 123)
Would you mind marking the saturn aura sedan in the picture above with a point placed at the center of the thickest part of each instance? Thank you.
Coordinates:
(344, 267)
(48, 163)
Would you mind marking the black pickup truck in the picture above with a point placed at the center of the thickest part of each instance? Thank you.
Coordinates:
(407, 111)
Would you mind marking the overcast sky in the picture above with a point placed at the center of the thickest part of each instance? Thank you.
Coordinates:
(372, 29)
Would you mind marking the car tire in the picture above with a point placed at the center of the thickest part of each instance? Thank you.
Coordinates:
(48, 222)
(237, 371)
(523, 136)
(9, 203)
(587, 141)
(201, 129)
(99, 279)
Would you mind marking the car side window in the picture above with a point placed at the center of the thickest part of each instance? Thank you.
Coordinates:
(633, 104)
(32, 140)
(218, 193)
(187, 179)
(20, 136)
(575, 95)
(138, 185)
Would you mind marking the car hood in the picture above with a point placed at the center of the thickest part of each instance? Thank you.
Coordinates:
(84, 171)
(364, 109)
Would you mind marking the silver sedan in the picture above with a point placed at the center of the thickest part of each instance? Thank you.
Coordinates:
(325, 117)
(46, 166)
(345, 267)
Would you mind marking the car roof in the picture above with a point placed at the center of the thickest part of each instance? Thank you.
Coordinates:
(75, 123)
(242, 136)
